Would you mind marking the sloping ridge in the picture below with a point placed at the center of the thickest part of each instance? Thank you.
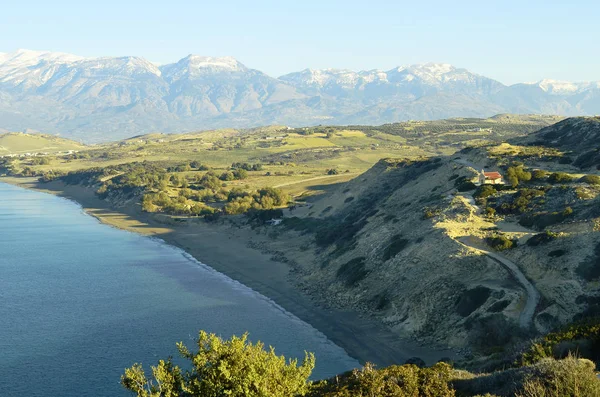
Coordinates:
(577, 137)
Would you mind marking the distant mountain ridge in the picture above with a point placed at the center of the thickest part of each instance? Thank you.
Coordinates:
(108, 98)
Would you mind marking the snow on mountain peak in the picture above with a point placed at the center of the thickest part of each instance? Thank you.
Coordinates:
(561, 87)
(225, 63)
(23, 58)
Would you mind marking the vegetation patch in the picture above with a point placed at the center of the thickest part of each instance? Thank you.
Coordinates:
(464, 184)
(542, 238)
(542, 220)
(484, 191)
(393, 381)
(394, 247)
(582, 338)
(519, 202)
(472, 300)
(557, 253)
(560, 177)
(353, 271)
(590, 179)
(589, 269)
(500, 242)
(517, 174)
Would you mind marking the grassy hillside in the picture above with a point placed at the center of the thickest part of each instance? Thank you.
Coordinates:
(20, 143)
(294, 159)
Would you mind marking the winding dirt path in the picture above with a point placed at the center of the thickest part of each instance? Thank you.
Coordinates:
(533, 295)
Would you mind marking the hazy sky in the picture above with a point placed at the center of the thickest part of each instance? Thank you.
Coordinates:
(511, 41)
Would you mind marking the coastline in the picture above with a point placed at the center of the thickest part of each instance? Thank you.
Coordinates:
(225, 249)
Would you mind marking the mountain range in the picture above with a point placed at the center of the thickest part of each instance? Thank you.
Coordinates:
(101, 99)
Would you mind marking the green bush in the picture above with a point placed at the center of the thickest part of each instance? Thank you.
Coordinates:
(539, 175)
(235, 368)
(560, 177)
(500, 242)
(541, 220)
(394, 381)
(490, 212)
(570, 377)
(562, 343)
(516, 174)
(466, 186)
(541, 238)
(484, 191)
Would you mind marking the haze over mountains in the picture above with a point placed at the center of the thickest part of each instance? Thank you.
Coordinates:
(110, 98)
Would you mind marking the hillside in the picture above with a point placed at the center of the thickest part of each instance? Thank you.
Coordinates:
(295, 158)
(578, 138)
(415, 245)
(111, 98)
(407, 240)
(19, 143)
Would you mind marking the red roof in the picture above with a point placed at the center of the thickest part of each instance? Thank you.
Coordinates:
(492, 175)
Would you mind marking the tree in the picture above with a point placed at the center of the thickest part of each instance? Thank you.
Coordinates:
(240, 173)
(559, 177)
(227, 176)
(539, 175)
(234, 368)
(516, 174)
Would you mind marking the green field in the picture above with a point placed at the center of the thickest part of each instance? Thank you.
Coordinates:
(299, 161)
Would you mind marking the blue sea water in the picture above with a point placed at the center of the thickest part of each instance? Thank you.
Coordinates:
(80, 301)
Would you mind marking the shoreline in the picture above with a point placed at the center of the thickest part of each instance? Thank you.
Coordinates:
(225, 249)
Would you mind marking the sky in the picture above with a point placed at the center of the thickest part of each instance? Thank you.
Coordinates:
(511, 41)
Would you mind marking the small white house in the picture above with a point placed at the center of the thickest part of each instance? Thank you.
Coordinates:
(490, 178)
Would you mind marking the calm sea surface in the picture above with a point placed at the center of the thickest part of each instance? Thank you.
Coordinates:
(80, 301)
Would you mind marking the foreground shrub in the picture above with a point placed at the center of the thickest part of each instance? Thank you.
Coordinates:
(569, 377)
(395, 381)
(565, 378)
(582, 338)
(235, 368)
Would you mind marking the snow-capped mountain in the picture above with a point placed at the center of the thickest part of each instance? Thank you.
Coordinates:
(565, 87)
(114, 97)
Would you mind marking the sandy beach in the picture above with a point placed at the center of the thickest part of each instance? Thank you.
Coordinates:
(227, 250)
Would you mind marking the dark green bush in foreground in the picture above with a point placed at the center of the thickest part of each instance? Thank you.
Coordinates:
(395, 381)
(580, 338)
(235, 368)
(238, 368)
